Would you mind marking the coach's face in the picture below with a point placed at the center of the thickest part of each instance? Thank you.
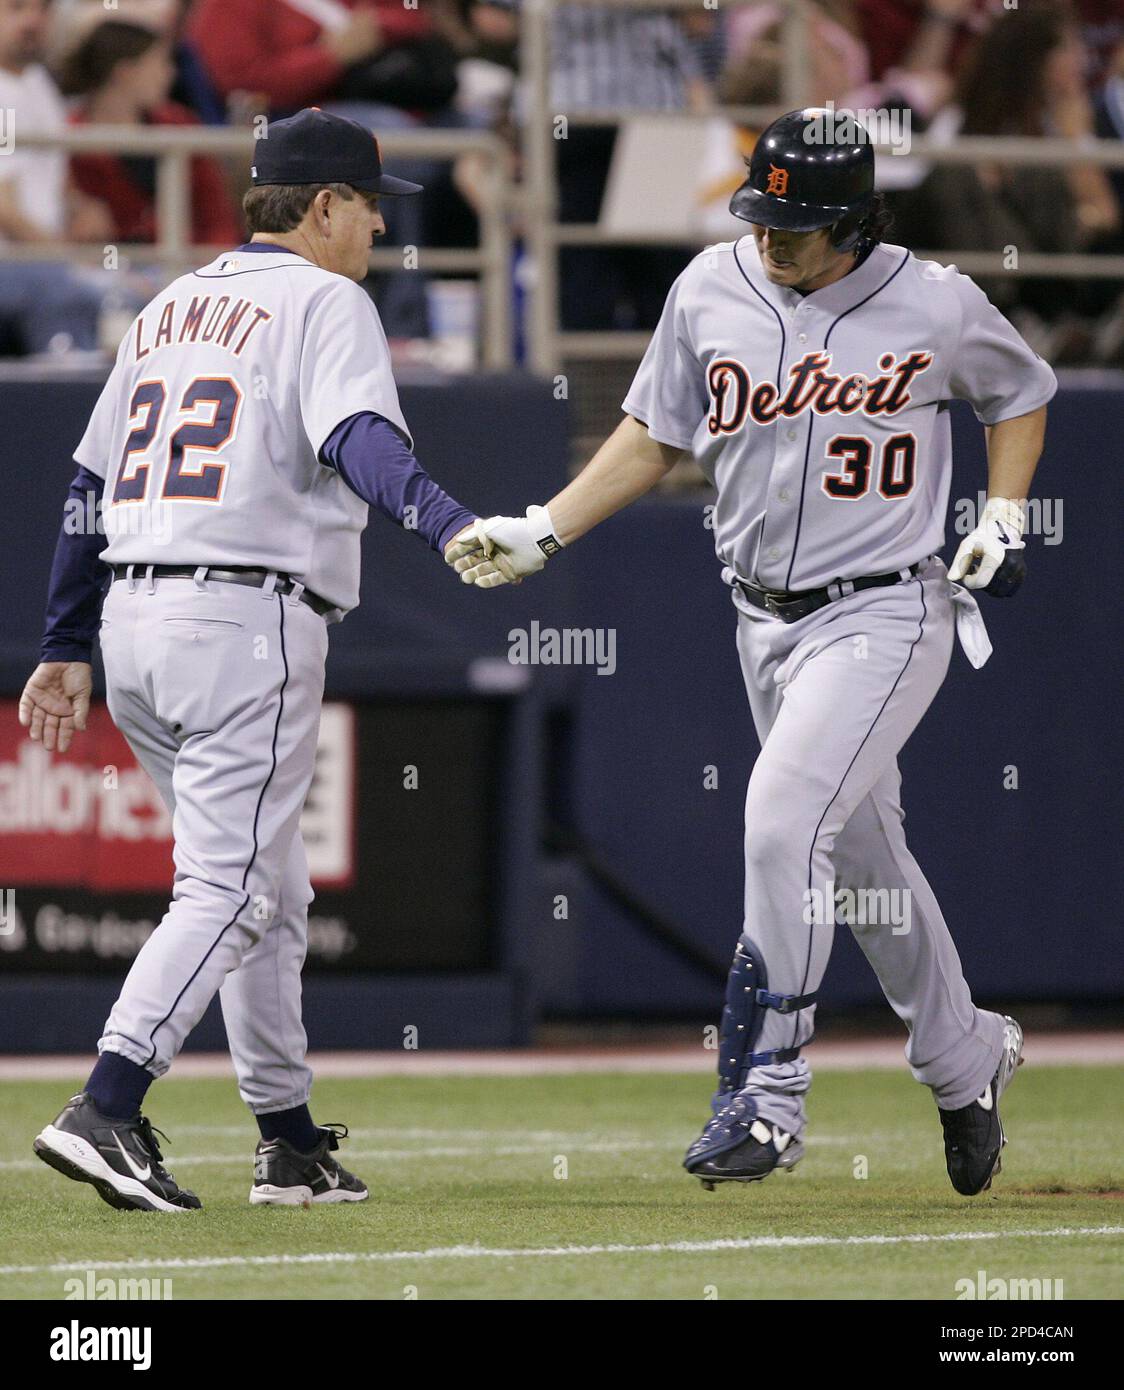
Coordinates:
(798, 260)
(23, 32)
(346, 230)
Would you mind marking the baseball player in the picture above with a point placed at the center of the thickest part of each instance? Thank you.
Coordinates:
(808, 367)
(249, 420)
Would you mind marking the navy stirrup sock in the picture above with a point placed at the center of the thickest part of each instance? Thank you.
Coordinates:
(117, 1086)
(294, 1126)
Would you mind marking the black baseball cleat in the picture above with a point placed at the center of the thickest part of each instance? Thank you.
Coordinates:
(120, 1159)
(766, 1149)
(714, 1158)
(973, 1135)
(285, 1178)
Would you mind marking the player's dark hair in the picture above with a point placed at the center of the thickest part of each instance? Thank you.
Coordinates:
(90, 64)
(878, 219)
(1001, 89)
(279, 207)
(859, 231)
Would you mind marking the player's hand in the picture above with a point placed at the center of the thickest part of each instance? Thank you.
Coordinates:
(56, 701)
(503, 549)
(991, 557)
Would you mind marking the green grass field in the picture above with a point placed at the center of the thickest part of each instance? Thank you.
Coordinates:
(482, 1186)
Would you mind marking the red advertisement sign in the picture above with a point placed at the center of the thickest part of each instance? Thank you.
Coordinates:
(92, 818)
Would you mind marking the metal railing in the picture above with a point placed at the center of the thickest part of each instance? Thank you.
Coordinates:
(548, 346)
(536, 201)
(173, 147)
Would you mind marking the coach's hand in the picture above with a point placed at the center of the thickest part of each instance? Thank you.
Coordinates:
(466, 551)
(56, 701)
(991, 557)
(503, 549)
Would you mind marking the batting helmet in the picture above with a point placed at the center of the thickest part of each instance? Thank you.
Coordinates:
(801, 178)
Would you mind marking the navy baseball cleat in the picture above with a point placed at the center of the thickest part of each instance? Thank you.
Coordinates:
(973, 1135)
(120, 1159)
(713, 1158)
(285, 1178)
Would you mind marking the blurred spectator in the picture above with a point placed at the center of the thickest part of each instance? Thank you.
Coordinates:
(1102, 31)
(753, 73)
(192, 87)
(925, 34)
(493, 28)
(614, 60)
(44, 305)
(489, 59)
(121, 73)
(1109, 122)
(385, 64)
(840, 67)
(1109, 116)
(304, 52)
(486, 85)
(1026, 79)
(707, 33)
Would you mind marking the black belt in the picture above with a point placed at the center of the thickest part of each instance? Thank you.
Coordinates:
(790, 605)
(251, 578)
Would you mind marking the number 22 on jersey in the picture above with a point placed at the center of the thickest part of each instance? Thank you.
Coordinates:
(204, 422)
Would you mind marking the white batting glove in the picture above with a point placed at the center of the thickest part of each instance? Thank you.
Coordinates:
(503, 549)
(983, 551)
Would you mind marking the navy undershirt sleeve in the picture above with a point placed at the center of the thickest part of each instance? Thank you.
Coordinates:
(78, 577)
(374, 461)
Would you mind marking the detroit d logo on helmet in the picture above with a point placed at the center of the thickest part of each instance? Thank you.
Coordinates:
(778, 181)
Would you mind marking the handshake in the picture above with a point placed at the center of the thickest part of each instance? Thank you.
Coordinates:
(503, 549)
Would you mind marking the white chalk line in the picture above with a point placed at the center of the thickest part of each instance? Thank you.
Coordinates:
(479, 1252)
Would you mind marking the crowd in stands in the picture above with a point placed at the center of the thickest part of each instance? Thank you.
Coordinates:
(976, 67)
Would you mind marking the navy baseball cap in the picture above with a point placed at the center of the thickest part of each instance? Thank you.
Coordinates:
(316, 147)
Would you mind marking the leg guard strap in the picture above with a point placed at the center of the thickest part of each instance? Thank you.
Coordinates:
(768, 1059)
(785, 1003)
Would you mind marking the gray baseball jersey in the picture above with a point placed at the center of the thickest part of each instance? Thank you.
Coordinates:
(823, 422)
(821, 419)
(209, 427)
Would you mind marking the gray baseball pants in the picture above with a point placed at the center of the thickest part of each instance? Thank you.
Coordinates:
(834, 697)
(218, 688)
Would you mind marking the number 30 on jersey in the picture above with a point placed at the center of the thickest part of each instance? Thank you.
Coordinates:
(897, 466)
